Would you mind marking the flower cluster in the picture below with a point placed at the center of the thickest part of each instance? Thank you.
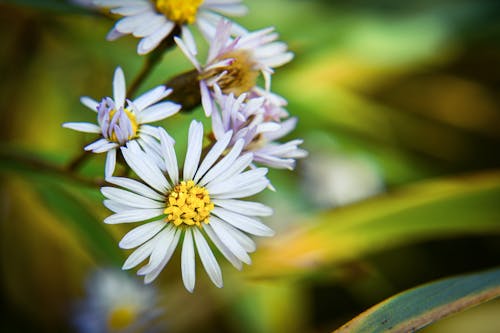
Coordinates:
(199, 205)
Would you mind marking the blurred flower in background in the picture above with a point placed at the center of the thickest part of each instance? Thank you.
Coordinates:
(117, 303)
(338, 179)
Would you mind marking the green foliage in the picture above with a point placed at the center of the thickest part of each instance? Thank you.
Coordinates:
(421, 306)
(430, 210)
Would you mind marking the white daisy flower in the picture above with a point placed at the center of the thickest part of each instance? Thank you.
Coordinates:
(118, 124)
(204, 203)
(234, 64)
(116, 303)
(155, 20)
(254, 121)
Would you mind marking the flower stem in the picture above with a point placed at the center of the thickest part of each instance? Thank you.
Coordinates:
(19, 162)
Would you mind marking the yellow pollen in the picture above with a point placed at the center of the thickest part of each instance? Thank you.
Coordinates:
(121, 317)
(179, 11)
(241, 75)
(133, 123)
(189, 204)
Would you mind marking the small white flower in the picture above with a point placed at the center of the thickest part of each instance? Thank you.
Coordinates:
(339, 179)
(155, 20)
(116, 303)
(234, 64)
(254, 121)
(118, 124)
(203, 203)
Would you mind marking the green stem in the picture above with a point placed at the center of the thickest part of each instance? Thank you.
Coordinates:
(38, 165)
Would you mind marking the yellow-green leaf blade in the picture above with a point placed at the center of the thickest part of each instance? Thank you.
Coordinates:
(418, 307)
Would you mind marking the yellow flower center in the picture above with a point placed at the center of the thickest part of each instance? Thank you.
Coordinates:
(121, 317)
(133, 124)
(189, 204)
(179, 11)
(240, 77)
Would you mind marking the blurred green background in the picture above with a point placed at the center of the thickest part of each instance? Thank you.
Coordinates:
(399, 107)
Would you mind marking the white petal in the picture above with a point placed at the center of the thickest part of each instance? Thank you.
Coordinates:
(244, 207)
(147, 29)
(89, 102)
(185, 49)
(135, 186)
(245, 191)
(168, 254)
(246, 242)
(130, 198)
(207, 259)
(242, 222)
(141, 234)
(128, 10)
(224, 164)
(163, 240)
(129, 24)
(169, 156)
(237, 167)
(110, 163)
(223, 248)
(119, 88)
(158, 112)
(237, 181)
(114, 206)
(150, 42)
(114, 34)
(83, 127)
(99, 145)
(206, 99)
(225, 237)
(188, 39)
(187, 261)
(145, 168)
(133, 215)
(139, 255)
(195, 140)
(149, 130)
(150, 97)
(213, 155)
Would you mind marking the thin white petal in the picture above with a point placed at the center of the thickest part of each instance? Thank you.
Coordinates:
(207, 259)
(242, 222)
(110, 163)
(89, 102)
(224, 164)
(133, 215)
(150, 97)
(188, 39)
(237, 167)
(158, 112)
(119, 88)
(185, 49)
(243, 192)
(115, 207)
(130, 198)
(244, 207)
(150, 42)
(83, 127)
(141, 234)
(146, 168)
(163, 240)
(195, 140)
(139, 255)
(221, 231)
(167, 148)
(135, 186)
(168, 254)
(187, 261)
(213, 155)
(223, 248)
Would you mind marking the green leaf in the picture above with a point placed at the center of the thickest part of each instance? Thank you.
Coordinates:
(421, 306)
(430, 210)
(88, 228)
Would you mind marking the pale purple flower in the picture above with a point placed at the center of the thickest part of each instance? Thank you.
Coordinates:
(257, 122)
(202, 202)
(155, 20)
(119, 123)
(234, 64)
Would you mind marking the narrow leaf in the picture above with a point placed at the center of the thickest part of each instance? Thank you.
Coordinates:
(418, 307)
